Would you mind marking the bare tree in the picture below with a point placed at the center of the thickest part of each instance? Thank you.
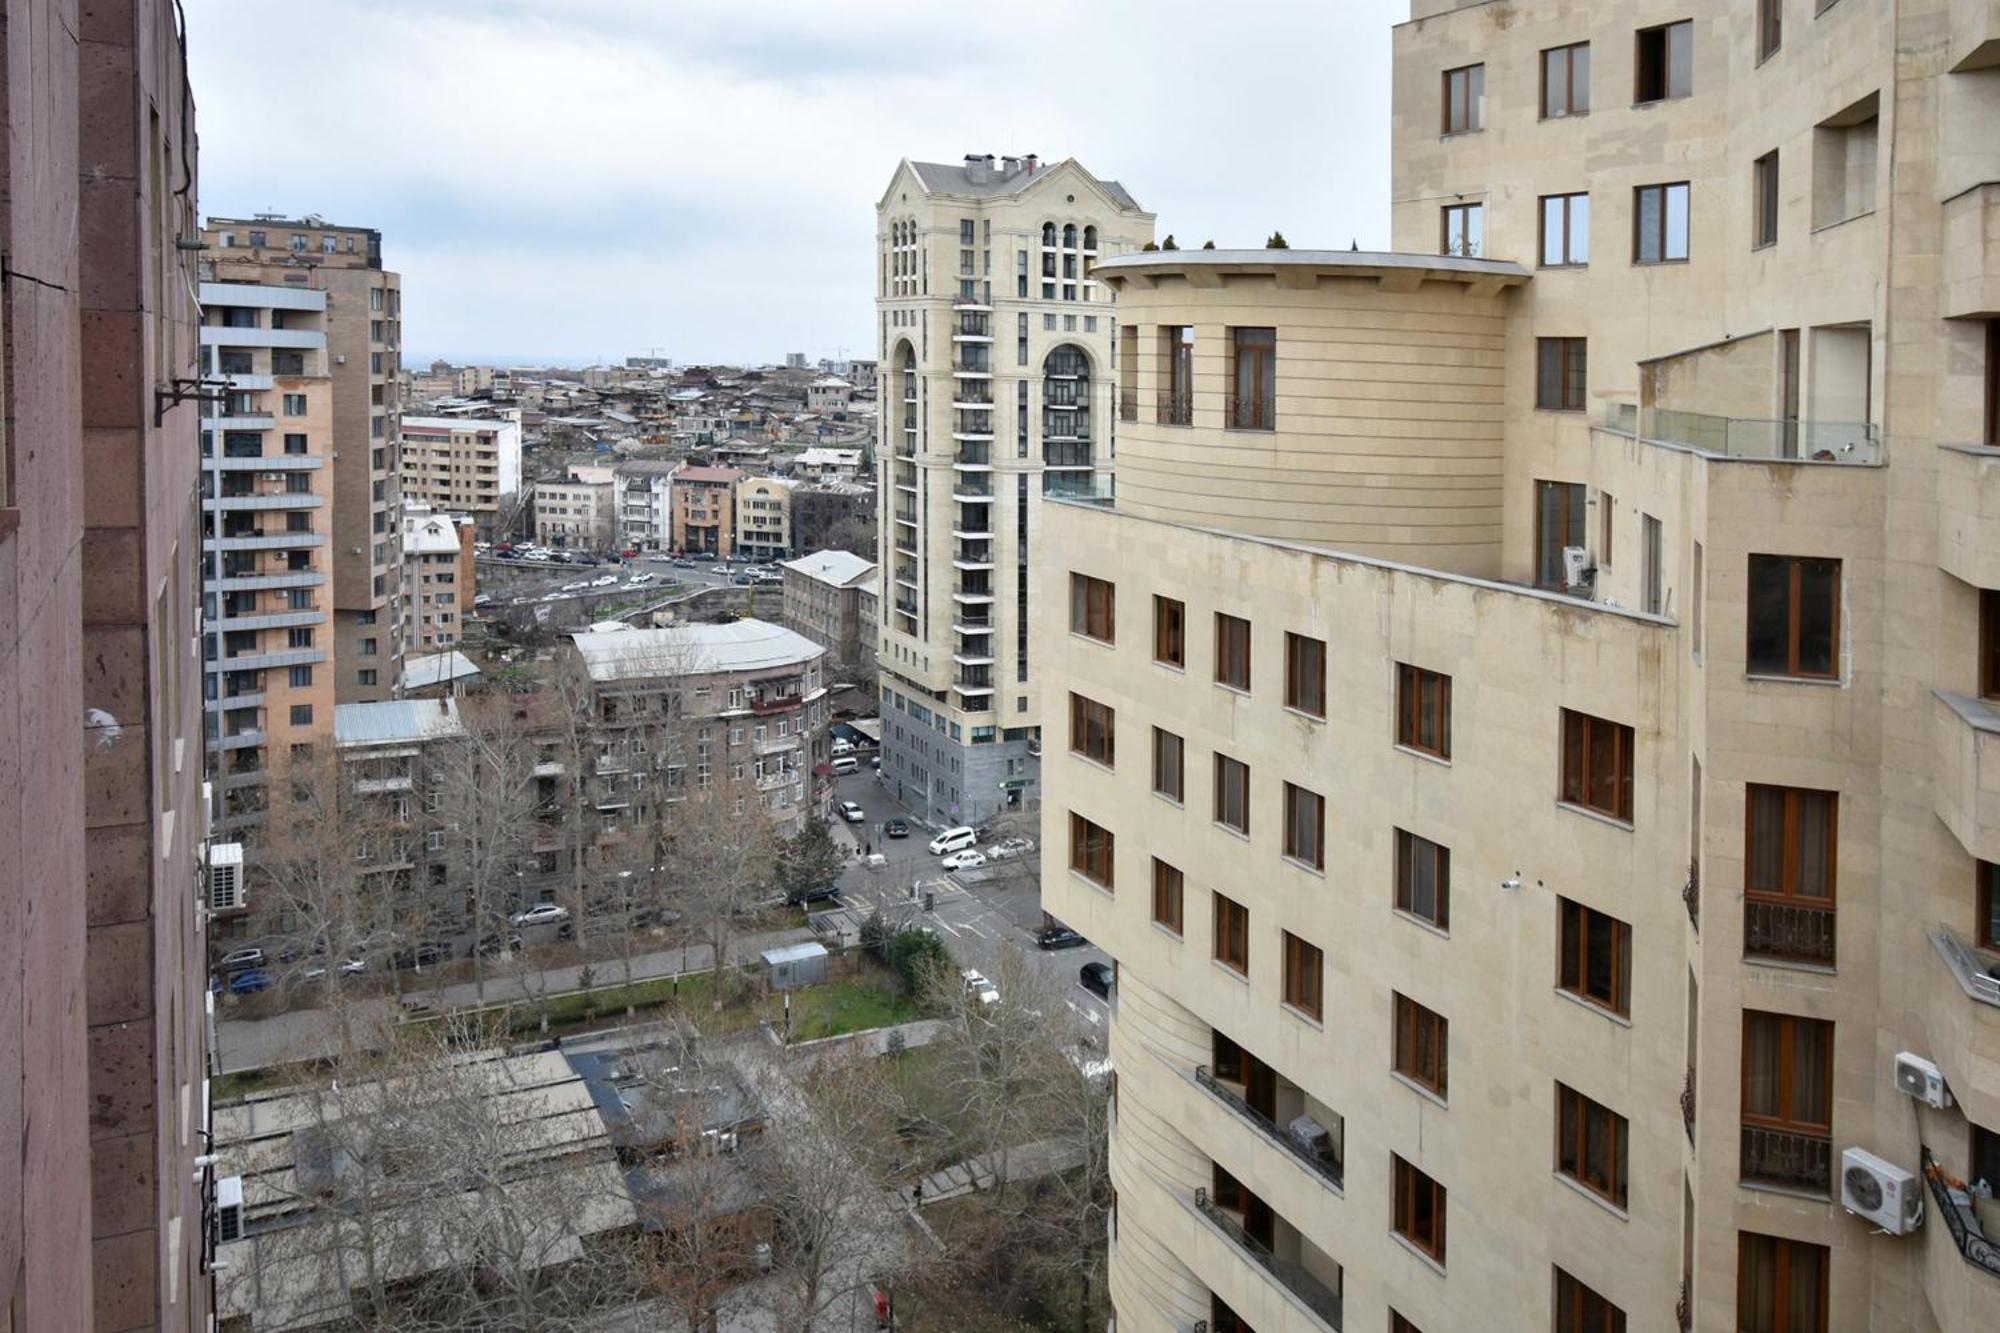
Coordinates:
(719, 862)
(488, 807)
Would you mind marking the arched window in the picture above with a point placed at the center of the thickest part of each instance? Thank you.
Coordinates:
(1049, 234)
(1069, 236)
(1066, 425)
(1090, 238)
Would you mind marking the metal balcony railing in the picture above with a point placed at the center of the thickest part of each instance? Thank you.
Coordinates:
(1980, 1250)
(1977, 970)
(1253, 414)
(1687, 1103)
(1684, 1307)
(1792, 930)
(1321, 1299)
(1175, 409)
(1128, 404)
(1787, 1157)
(1328, 1169)
(1691, 895)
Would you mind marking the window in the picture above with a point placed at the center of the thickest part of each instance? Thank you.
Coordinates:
(1092, 729)
(302, 715)
(367, 677)
(1989, 643)
(1652, 599)
(1169, 632)
(1420, 1044)
(1787, 1100)
(1305, 826)
(1794, 616)
(1788, 873)
(1665, 64)
(1092, 603)
(1232, 651)
(1660, 224)
(1302, 976)
(1566, 81)
(1464, 228)
(1253, 365)
(1581, 1310)
(1844, 163)
(1591, 1144)
(1232, 934)
(1987, 892)
(1770, 28)
(1090, 850)
(1560, 367)
(1398, 1324)
(1168, 890)
(1565, 228)
(1423, 879)
(1594, 961)
(1419, 1209)
(295, 444)
(1764, 200)
(1464, 99)
(1423, 710)
(1781, 1285)
(1169, 765)
(1305, 674)
(295, 404)
(1232, 794)
(1597, 764)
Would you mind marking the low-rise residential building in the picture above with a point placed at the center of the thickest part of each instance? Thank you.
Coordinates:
(834, 513)
(435, 593)
(763, 518)
(736, 711)
(823, 602)
(829, 393)
(463, 465)
(645, 503)
(576, 511)
(704, 509)
(821, 463)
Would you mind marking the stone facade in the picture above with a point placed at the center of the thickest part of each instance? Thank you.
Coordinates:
(463, 465)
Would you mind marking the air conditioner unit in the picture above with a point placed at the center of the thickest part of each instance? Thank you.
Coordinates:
(1919, 1078)
(229, 1209)
(225, 877)
(1577, 572)
(1881, 1192)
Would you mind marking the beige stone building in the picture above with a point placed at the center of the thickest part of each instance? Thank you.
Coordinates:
(435, 596)
(578, 511)
(763, 518)
(463, 465)
(1527, 704)
(362, 333)
(997, 364)
(823, 602)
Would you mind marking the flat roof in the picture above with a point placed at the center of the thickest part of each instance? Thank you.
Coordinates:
(394, 721)
(839, 568)
(1332, 263)
(692, 650)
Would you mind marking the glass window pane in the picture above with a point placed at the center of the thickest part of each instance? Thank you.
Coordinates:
(1680, 59)
(1552, 230)
(1579, 229)
(1648, 251)
(1579, 78)
(1677, 222)
(1819, 595)
(1769, 615)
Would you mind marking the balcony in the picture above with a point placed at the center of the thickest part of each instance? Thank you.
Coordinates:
(964, 302)
(1293, 1276)
(973, 458)
(1174, 409)
(971, 396)
(260, 661)
(776, 744)
(1250, 414)
(1970, 276)
(1688, 1104)
(907, 606)
(1792, 930)
(261, 541)
(231, 702)
(971, 488)
(277, 500)
(971, 367)
(259, 463)
(1772, 439)
(1067, 457)
(905, 546)
(1968, 500)
(1786, 1158)
(1966, 789)
(1977, 970)
(1979, 1249)
(775, 703)
(1128, 404)
(907, 516)
(973, 327)
(1325, 1165)
(240, 421)
(242, 740)
(966, 624)
(783, 777)
(254, 582)
(973, 555)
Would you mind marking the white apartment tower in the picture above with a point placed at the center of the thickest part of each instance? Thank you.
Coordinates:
(996, 355)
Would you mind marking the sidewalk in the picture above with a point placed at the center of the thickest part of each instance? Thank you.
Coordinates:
(1040, 1158)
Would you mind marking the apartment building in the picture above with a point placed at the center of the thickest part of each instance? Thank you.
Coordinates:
(736, 710)
(103, 1208)
(763, 518)
(645, 503)
(579, 511)
(362, 333)
(823, 602)
(436, 591)
(704, 509)
(994, 336)
(463, 465)
(1527, 698)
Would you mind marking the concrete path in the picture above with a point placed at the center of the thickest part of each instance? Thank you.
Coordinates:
(1041, 1158)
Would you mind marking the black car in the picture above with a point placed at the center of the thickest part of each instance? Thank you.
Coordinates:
(1058, 936)
(821, 894)
(1095, 977)
(498, 944)
(895, 828)
(422, 955)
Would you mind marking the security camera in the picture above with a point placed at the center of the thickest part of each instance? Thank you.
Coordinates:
(1511, 883)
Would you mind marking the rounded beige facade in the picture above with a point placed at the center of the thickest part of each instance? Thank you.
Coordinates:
(1339, 398)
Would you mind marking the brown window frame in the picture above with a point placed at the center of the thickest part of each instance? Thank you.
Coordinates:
(1473, 77)
(1788, 887)
(1413, 852)
(1414, 715)
(1232, 669)
(1092, 851)
(1229, 923)
(1662, 240)
(1576, 926)
(1305, 813)
(1572, 373)
(1667, 68)
(1787, 1092)
(1304, 976)
(1989, 643)
(1093, 730)
(1569, 104)
(1169, 632)
(1572, 506)
(1305, 674)
(1177, 791)
(1571, 254)
(1226, 769)
(1579, 741)
(1764, 201)
(1169, 896)
(1782, 1248)
(1587, 1129)
(1794, 567)
(1770, 28)
(1986, 903)
(1578, 1309)
(1413, 1027)
(1407, 1185)
(1093, 607)
(1253, 378)
(1464, 213)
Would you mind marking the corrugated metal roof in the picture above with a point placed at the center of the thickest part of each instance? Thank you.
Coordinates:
(436, 669)
(692, 650)
(793, 953)
(396, 720)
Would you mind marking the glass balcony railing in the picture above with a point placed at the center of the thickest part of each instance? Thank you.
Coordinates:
(1779, 439)
(1321, 1299)
(1327, 1166)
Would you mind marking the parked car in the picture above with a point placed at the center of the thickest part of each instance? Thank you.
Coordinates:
(604, 581)
(683, 564)
(250, 982)
(630, 553)
(977, 986)
(852, 812)
(951, 840)
(496, 944)
(483, 599)
(239, 960)
(352, 967)
(1095, 977)
(844, 765)
(822, 893)
(969, 859)
(895, 828)
(1056, 935)
(842, 745)
(640, 580)
(541, 914)
(502, 548)
(422, 954)
(1007, 848)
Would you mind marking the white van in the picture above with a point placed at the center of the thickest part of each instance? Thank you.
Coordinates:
(951, 840)
(844, 764)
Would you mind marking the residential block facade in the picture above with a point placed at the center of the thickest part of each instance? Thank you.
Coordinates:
(996, 357)
(1526, 701)
(463, 465)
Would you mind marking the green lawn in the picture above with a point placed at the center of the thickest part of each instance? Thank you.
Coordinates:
(847, 1004)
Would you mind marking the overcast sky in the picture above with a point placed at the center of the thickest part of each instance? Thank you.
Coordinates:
(575, 180)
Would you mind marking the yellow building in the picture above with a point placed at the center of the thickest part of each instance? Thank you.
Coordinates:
(763, 519)
(1527, 702)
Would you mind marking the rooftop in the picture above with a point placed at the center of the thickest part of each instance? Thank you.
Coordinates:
(992, 182)
(430, 534)
(455, 423)
(396, 722)
(721, 475)
(839, 568)
(1387, 264)
(692, 650)
(429, 669)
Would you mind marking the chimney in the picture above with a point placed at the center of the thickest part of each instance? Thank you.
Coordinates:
(1009, 166)
(978, 168)
(1030, 161)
